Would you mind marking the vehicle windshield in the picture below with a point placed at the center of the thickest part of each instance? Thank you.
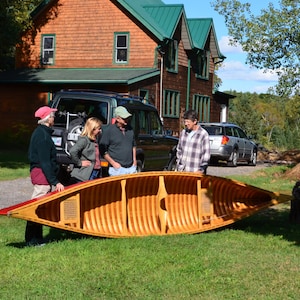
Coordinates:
(213, 129)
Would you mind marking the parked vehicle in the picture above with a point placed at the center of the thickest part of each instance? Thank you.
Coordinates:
(229, 143)
(75, 106)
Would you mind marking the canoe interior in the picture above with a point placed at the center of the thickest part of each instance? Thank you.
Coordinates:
(150, 203)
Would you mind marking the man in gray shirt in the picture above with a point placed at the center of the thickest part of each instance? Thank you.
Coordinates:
(118, 144)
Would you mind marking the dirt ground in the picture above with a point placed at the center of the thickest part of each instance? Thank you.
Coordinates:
(291, 157)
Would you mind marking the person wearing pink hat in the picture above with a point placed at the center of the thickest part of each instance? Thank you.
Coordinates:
(43, 167)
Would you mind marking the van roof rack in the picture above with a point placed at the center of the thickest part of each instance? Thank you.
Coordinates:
(111, 93)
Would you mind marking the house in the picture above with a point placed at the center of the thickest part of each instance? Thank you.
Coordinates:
(144, 48)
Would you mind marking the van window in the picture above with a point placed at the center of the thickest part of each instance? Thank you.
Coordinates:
(143, 121)
(89, 108)
(156, 126)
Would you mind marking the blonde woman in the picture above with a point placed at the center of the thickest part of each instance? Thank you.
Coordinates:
(85, 153)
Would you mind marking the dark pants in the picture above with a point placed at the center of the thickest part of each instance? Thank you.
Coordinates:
(33, 231)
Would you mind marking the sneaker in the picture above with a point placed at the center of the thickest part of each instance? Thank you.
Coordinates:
(36, 243)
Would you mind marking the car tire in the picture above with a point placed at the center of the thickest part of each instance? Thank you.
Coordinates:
(139, 166)
(253, 159)
(75, 127)
(172, 164)
(234, 159)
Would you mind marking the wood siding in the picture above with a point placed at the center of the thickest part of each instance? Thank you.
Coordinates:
(84, 34)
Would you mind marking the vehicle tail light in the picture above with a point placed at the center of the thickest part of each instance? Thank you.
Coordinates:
(104, 164)
(225, 140)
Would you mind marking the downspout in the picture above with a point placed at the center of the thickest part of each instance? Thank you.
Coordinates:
(161, 52)
(161, 86)
(188, 87)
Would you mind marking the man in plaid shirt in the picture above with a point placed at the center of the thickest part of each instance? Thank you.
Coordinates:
(193, 151)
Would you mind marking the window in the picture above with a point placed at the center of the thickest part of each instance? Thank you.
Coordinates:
(48, 43)
(202, 64)
(121, 47)
(145, 95)
(144, 123)
(156, 127)
(201, 104)
(171, 104)
(172, 56)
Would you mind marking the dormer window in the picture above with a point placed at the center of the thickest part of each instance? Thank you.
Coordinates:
(172, 56)
(48, 44)
(121, 48)
(203, 64)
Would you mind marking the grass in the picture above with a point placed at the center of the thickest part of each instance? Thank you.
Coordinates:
(13, 164)
(255, 258)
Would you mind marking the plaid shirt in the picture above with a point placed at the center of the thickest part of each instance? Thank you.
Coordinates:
(193, 151)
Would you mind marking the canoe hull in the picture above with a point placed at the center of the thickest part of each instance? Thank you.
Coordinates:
(150, 203)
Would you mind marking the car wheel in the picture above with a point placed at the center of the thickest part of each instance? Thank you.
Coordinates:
(139, 166)
(75, 129)
(172, 164)
(253, 159)
(234, 158)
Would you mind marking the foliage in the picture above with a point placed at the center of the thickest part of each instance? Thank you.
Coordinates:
(270, 39)
(16, 137)
(15, 18)
(273, 121)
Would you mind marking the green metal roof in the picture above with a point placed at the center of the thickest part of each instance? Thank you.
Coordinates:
(166, 17)
(162, 20)
(200, 30)
(56, 76)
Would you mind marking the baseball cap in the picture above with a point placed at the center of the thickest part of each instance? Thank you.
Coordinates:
(122, 112)
(44, 111)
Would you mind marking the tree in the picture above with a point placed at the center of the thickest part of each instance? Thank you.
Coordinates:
(14, 17)
(271, 39)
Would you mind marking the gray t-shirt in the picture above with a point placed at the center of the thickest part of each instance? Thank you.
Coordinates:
(118, 144)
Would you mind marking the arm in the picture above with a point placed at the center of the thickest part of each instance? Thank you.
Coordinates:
(179, 151)
(134, 156)
(76, 153)
(44, 154)
(112, 162)
(205, 153)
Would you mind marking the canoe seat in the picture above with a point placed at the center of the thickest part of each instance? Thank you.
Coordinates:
(70, 211)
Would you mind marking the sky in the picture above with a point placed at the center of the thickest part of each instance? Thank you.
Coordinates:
(235, 74)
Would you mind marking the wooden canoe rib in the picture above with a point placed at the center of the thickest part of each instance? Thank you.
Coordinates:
(150, 203)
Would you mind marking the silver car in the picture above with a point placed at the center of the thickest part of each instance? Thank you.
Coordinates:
(228, 142)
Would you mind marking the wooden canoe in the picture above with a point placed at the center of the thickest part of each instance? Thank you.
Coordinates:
(150, 203)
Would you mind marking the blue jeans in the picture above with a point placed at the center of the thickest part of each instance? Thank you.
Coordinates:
(121, 171)
(95, 174)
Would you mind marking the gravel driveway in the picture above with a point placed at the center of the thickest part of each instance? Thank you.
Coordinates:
(19, 190)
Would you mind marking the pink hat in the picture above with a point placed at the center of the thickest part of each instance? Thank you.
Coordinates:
(44, 111)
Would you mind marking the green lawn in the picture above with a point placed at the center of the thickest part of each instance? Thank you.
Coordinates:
(13, 164)
(256, 258)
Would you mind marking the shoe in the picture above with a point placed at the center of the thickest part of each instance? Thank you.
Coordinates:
(36, 243)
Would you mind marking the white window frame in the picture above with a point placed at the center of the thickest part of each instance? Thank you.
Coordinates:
(121, 48)
(48, 49)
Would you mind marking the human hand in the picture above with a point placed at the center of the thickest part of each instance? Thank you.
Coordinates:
(85, 163)
(59, 187)
(116, 165)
